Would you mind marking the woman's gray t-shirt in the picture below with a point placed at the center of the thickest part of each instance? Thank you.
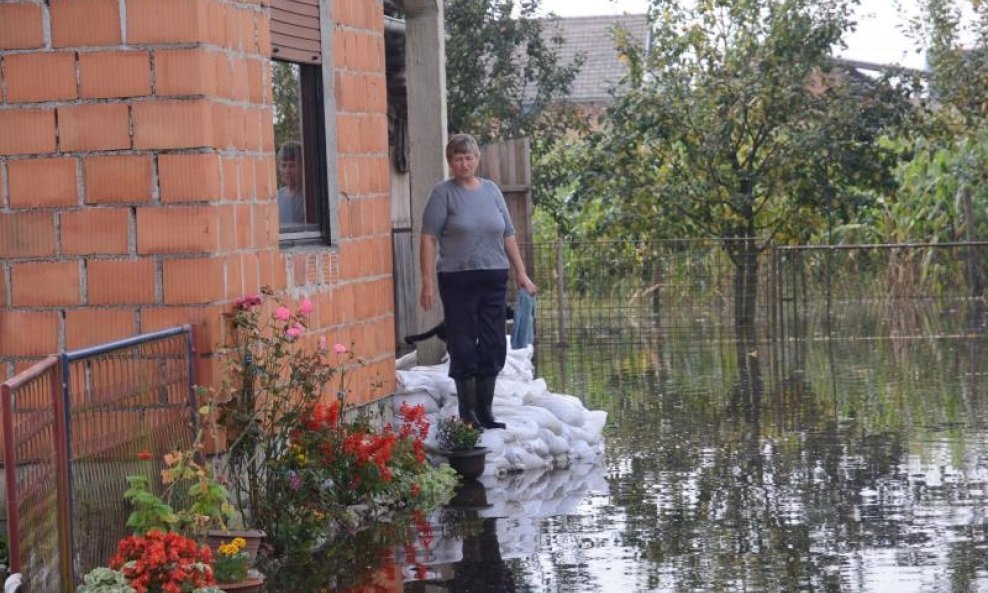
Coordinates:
(471, 225)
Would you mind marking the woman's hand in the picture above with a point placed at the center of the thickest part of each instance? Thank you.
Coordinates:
(427, 298)
(525, 282)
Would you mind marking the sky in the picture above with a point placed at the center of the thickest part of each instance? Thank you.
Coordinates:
(878, 37)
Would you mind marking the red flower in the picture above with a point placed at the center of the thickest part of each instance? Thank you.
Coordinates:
(163, 562)
(416, 490)
(144, 455)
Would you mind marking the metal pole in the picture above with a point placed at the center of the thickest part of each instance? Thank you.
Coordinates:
(560, 297)
(63, 485)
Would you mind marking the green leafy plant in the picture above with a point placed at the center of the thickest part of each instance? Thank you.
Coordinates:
(105, 580)
(191, 485)
(454, 434)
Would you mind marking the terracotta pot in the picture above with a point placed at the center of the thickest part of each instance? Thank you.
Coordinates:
(251, 585)
(216, 537)
(469, 463)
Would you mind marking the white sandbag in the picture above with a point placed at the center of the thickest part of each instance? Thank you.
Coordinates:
(416, 398)
(556, 444)
(582, 450)
(595, 421)
(575, 433)
(494, 441)
(566, 411)
(544, 419)
(521, 459)
(519, 425)
(536, 446)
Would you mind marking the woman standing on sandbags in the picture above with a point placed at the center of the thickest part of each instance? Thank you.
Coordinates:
(467, 218)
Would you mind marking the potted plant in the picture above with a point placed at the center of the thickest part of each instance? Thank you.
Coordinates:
(231, 567)
(457, 440)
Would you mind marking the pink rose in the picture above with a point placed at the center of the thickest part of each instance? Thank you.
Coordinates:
(295, 331)
(283, 313)
(339, 348)
(306, 306)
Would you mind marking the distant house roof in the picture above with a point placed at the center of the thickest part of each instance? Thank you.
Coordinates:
(593, 37)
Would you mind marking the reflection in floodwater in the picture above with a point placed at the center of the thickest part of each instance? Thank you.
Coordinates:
(482, 539)
(863, 467)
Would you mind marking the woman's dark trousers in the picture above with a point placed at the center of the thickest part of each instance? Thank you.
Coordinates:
(474, 302)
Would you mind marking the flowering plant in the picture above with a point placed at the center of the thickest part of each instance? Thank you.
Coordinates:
(300, 460)
(159, 562)
(230, 563)
(455, 434)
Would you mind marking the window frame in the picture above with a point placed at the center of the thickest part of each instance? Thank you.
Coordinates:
(317, 109)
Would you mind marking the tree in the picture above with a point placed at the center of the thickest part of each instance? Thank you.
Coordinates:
(501, 74)
(739, 126)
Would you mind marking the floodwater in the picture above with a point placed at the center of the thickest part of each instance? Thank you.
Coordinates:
(837, 465)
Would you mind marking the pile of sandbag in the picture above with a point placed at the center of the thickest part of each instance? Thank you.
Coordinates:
(545, 430)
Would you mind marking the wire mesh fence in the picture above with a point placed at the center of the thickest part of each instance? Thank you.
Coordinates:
(31, 404)
(630, 292)
(124, 398)
(869, 291)
(73, 428)
(625, 292)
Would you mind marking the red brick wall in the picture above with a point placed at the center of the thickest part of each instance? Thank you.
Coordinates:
(137, 178)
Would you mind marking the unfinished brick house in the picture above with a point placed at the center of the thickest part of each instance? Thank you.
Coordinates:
(138, 176)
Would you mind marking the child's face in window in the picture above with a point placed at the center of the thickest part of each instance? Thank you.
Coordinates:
(290, 171)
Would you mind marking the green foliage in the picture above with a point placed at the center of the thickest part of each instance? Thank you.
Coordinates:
(105, 580)
(149, 511)
(738, 125)
(287, 117)
(501, 75)
(958, 57)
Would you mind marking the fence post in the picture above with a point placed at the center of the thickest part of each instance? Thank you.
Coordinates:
(560, 297)
(190, 351)
(63, 485)
(10, 475)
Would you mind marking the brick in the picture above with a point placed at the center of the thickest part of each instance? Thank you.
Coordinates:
(111, 74)
(21, 26)
(27, 234)
(123, 178)
(45, 284)
(121, 282)
(42, 182)
(174, 21)
(40, 77)
(91, 326)
(27, 131)
(177, 229)
(190, 281)
(172, 124)
(85, 23)
(98, 126)
(28, 333)
(206, 322)
(189, 177)
(95, 231)
(189, 72)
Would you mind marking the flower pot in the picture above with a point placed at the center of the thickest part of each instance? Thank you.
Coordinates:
(217, 537)
(250, 585)
(469, 463)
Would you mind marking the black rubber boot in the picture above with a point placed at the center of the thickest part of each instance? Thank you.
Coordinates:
(466, 397)
(485, 401)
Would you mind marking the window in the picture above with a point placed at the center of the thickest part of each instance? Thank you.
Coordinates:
(306, 178)
(299, 134)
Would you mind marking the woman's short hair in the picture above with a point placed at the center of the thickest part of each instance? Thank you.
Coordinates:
(462, 144)
(290, 151)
